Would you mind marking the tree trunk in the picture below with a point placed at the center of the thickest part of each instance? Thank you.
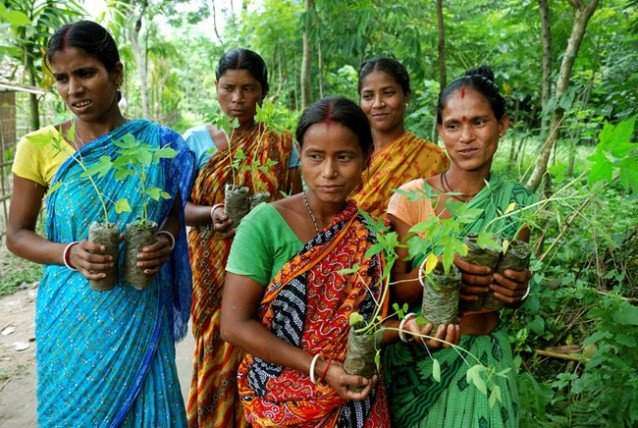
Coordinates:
(546, 79)
(306, 61)
(583, 14)
(442, 70)
(34, 105)
(140, 59)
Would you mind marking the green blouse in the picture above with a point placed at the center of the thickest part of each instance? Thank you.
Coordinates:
(263, 244)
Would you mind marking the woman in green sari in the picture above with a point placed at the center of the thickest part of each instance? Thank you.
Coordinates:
(471, 118)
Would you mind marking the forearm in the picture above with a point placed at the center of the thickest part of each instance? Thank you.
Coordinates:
(406, 288)
(29, 245)
(197, 215)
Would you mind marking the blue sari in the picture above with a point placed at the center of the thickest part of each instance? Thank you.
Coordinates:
(108, 358)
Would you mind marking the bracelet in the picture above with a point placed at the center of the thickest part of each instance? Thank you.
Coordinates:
(312, 369)
(169, 235)
(325, 371)
(407, 318)
(421, 280)
(529, 287)
(212, 210)
(66, 253)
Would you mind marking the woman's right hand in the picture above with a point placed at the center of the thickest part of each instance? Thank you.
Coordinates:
(221, 223)
(445, 335)
(339, 380)
(475, 279)
(89, 259)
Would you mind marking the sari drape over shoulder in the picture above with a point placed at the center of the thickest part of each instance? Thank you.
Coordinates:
(308, 305)
(108, 358)
(213, 395)
(404, 159)
(415, 399)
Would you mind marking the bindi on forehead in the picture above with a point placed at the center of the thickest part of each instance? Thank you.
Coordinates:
(462, 92)
(464, 119)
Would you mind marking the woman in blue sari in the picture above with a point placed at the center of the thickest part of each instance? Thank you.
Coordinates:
(105, 358)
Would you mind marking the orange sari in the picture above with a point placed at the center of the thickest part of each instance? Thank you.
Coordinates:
(309, 306)
(213, 400)
(404, 159)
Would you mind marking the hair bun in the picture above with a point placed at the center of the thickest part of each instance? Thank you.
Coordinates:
(483, 74)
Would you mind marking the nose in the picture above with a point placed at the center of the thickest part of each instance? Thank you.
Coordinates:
(329, 169)
(238, 96)
(75, 86)
(377, 102)
(467, 133)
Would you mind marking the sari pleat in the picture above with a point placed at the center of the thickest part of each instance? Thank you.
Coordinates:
(213, 398)
(308, 305)
(104, 358)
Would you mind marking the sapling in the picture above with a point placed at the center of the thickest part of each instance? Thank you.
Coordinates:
(364, 339)
(104, 231)
(134, 160)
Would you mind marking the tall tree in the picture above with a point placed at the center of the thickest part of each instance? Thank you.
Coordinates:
(306, 58)
(546, 70)
(582, 13)
(439, 19)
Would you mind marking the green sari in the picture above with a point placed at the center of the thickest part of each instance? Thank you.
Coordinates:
(415, 398)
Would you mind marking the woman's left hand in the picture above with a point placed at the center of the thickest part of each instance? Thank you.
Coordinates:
(511, 286)
(153, 256)
(339, 380)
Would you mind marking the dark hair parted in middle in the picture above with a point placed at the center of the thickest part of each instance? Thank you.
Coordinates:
(481, 79)
(390, 66)
(244, 59)
(337, 109)
(89, 36)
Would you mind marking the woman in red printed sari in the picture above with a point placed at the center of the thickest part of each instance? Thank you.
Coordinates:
(284, 302)
(399, 155)
(242, 84)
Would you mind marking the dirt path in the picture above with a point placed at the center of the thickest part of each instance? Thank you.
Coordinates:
(17, 365)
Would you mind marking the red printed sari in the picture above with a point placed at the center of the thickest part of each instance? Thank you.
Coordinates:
(213, 398)
(308, 305)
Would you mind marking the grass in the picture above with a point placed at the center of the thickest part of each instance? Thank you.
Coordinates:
(15, 271)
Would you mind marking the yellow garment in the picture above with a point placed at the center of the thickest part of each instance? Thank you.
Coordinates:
(39, 162)
(404, 159)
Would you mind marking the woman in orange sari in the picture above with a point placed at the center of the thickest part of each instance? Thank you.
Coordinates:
(242, 84)
(284, 302)
(399, 155)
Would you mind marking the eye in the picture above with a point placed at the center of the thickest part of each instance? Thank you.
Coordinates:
(86, 73)
(366, 97)
(452, 126)
(314, 156)
(389, 92)
(344, 157)
(480, 121)
(61, 79)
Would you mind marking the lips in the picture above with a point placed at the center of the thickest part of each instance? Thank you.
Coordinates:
(467, 152)
(81, 105)
(330, 189)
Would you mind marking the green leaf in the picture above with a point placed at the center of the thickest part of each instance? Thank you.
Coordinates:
(154, 193)
(122, 206)
(601, 168)
(436, 370)
(629, 173)
(100, 168)
(165, 153)
(40, 140)
(473, 376)
(122, 173)
(355, 318)
(55, 187)
(495, 396)
(348, 271)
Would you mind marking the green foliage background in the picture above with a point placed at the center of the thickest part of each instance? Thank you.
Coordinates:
(584, 305)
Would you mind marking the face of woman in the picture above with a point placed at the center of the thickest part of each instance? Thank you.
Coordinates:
(383, 101)
(470, 130)
(86, 87)
(239, 93)
(331, 161)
